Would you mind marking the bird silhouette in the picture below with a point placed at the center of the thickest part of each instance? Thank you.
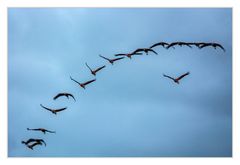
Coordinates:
(129, 55)
(64, 94)
(197, 44)
(178, 43)
(83, 84)
(176, 80)
(54, 111)
(33, 145)
(146, 50)
(40, 129)
(31, 140)
(95, 70)
(163, 44)
(111, 61)
(214, 45)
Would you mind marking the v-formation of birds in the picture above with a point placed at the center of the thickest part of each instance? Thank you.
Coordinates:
(31, 143)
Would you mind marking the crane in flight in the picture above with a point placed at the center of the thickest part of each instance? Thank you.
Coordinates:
(30, 143)
(43, 130)
(163, 44)
(214, 45)
(111, 61)
(83, 84)
(54, 111)
(178, 43)
(146, 50)
(95, 70)
(64, 94)
(176, 80)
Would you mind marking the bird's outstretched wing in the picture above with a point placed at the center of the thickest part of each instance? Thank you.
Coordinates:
(88, 82)
(169, 77)
(50, 131)
(34, 129)
(33, 145)
(197, 44)
(187, 44)
(41, 141)
(88, 67)
(138, 50)
(46, 108)
(171, 45)
(220, 46)
(104, 57)
(159, 44)
(69, 94)
(133, 54)
(30, 140)
(100, 68)
(151, 50)
(205, 45)
(58, 95)
(180, 77)
(61, 109)
(116, 59)
(75, 80)
(120, 54)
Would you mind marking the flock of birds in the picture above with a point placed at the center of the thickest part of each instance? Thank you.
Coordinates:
(31, 143)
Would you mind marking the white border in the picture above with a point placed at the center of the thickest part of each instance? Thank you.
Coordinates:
(4, 4)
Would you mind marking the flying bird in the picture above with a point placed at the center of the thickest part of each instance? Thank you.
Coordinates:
(30, 143)
(33, 145)
(64, 94)
(83, 84)
(41, 129)
(96, 70)
(197, 44)
(163, 44)
(146, 50)
(54, 111)
(129, 55)
(178, 43)
(111, 61)
(31, 140)
(176, 80)
(214, 45)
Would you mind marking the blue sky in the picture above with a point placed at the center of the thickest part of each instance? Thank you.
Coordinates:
(131, 110)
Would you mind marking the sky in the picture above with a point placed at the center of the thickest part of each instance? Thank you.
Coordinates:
(131, 110)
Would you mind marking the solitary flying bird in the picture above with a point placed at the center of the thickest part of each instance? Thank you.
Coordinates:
(83, 84)
(111, 61)
(54, 111)
(163, 44)
(129, 55)
(41, 129)
(96, 70)
(214, 45)
(64, 94)
(146, 50)
(31, 140)
(176, 80)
